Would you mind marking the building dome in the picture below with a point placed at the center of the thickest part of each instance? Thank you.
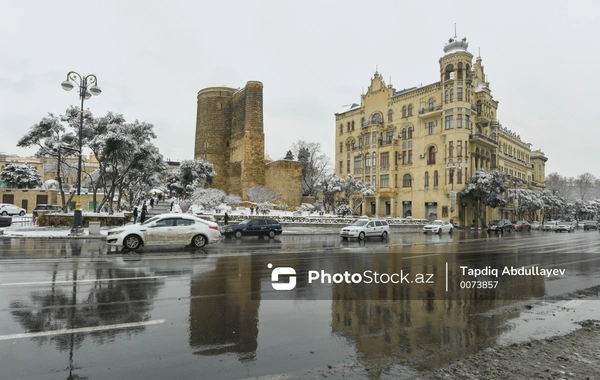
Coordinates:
(455, 45)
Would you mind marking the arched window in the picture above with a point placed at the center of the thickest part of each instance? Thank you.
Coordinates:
(435, 178)
(409, 132)
(374, 159)
(431, 102)
(341, 129)
(426, 179)
(377, 118)
(431, 155)
(403, 111)
(449, 72)
(348, 128)
(407, 181)
(390, 115)
(352, 124)
(367, 160)
(410, 108)
(403, 133)
(348, 146)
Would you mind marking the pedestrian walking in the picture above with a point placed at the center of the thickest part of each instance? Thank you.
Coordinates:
(226, 218)
(172, 203)
(151, 202)
(252, 210)
(135, 214)
(143, 214)
(257, 210)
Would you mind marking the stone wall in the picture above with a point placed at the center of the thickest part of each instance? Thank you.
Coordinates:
(66, 220)
(283, 177)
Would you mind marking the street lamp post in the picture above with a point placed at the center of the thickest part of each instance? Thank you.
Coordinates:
(452, 167)
(75, 79)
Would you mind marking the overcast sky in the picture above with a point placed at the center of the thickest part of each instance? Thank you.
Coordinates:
(152, 57)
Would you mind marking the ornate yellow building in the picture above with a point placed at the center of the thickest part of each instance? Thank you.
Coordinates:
(419, 146)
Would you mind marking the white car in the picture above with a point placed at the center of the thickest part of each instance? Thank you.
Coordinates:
(364, 228)
(165, 229)
(438, 227)
(550, 226)
(10, 209)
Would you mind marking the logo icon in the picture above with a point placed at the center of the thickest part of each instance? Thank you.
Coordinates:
(282, 271)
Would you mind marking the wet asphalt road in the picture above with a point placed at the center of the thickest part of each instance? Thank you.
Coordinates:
(72, 309)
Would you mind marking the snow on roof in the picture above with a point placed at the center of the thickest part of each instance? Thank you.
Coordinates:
(349, 107)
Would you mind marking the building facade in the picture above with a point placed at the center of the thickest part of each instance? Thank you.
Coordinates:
(230, 135)
(420, 146)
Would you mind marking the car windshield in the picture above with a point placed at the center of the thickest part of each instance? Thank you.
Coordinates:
(245, 221)
(590, 222)
(360, 223)
(153, 219)
(564, 223)
(495, 221)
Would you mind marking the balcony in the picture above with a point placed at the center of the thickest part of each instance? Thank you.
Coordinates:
(430, 111)
(483, 140)
(358, 171)
(372, 123)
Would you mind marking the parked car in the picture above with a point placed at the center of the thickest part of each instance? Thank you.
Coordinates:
(5, 221)
(522, 226)
(165, 229)
(564, 227)
(590, 225)
(46, 208)
(582, 223)
(365, 227)
(500, 226)
(7, 209)
(550, 226)
(535, 225)
(254, 227)
(438, 227)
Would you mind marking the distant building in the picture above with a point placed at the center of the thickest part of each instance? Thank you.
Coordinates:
(411, 143)
(230, 135)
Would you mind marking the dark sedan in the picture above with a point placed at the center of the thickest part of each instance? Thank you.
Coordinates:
(5, 221)
(254, 227)
(590, 225)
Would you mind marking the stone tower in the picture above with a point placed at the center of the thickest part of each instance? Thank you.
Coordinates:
(229, 134)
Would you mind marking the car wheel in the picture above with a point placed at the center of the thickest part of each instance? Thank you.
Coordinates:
(22, 213)
(439, 232)
(451, 230)
(271, 234)
(199, 241)
(361, 236)
(238, 234)
(132, 242)
(4, 213)
(384, 235)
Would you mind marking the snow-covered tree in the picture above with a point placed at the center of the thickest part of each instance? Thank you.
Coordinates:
(261, 194)
(265, 207)
(209, 198)
(125, 153)
(53, 140)
(343, 210)
(190, 175)
(329, 188)
(486, 189)
(528, 202)
(315, 165)
(21, 176)
(233, 200)
(355, 192)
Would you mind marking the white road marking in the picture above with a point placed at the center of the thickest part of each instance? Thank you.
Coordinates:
(416, 257)
(80, 330)
(80, 281)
